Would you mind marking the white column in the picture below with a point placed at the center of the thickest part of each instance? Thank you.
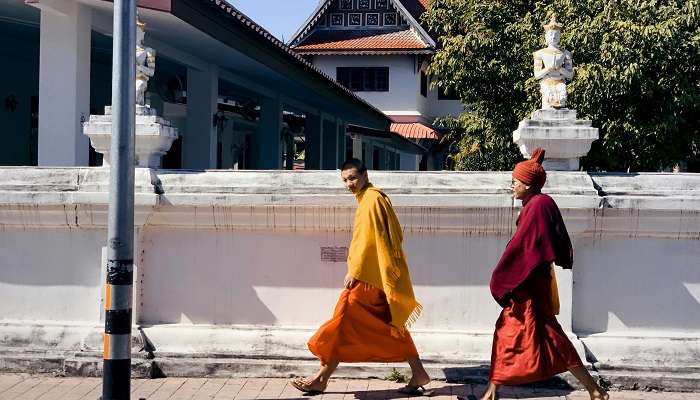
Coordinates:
(64, 83)
(199, 140)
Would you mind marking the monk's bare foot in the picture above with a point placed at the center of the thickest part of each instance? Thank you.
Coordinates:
(491, 392)
(419, 379)
(308, 385)
(599, 394)
(489, 396)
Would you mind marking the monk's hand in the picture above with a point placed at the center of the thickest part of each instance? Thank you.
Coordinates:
(348, 281)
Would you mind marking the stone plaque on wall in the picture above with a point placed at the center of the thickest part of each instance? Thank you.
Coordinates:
(334, 254)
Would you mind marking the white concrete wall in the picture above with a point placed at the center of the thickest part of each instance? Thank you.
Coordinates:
(441, 108)
(50, 273)
(404, 82)
(229, 262)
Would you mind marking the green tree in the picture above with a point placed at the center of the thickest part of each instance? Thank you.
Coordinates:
(637, 77)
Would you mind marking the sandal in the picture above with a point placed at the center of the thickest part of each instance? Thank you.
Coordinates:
(301, 385)
(469, 397)
(415, 390)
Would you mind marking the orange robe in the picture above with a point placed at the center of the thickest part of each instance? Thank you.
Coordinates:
(529, 345)
(361, 330)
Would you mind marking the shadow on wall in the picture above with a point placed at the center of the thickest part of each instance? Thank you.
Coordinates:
(627, 283)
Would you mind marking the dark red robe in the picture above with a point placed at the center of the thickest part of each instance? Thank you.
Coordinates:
(529, 344)
(540, 238)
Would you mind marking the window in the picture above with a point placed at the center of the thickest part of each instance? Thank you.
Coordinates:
(381, 4)
(423, 84)
(364, 79)
(443, 95)
(363, 4)
(346, 4)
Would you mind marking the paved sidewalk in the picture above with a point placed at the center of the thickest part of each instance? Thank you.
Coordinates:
(42, 387)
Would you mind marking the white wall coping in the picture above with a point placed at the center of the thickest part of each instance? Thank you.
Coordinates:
(31, 196)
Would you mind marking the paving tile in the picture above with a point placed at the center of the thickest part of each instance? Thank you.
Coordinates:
(135, 384)
(167, 389)
(230, 389)
(336, 390)
(245, 394)
(22, 387)
(60, 390)
(255, 383)
(147, 388)
(8, 381)
(39, 390)
(84, 386)
(188, 389)
(210, 388)
(95, 393)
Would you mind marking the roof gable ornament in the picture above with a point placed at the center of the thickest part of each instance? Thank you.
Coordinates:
(322, 9)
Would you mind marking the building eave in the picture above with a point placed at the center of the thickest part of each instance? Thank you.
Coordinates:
(373, 52)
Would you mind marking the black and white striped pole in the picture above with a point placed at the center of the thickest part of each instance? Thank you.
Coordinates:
(116, 378)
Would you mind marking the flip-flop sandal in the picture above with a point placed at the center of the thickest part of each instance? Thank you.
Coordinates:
(415, 391)
(304, 387)
(469, 397)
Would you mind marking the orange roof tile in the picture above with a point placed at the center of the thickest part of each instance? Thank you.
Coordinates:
(416, 130)
(401, 40)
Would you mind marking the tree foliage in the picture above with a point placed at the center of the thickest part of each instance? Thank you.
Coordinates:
(636, 76)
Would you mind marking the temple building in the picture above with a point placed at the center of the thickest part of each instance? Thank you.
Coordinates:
(380, 50)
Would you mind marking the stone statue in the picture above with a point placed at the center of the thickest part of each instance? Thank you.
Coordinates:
(553, 66)
(145, 63)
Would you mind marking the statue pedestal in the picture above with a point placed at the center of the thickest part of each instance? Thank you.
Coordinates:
(154, 136)
(564, 138)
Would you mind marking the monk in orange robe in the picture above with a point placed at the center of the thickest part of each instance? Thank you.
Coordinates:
(371, 317)
(529, 344)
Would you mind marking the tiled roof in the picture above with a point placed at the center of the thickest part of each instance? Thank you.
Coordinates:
(416, 130)
(362, 40)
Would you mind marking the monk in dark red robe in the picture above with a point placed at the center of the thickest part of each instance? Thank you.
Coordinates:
(529, 345)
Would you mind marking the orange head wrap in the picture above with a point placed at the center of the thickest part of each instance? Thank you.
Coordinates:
(530, 172)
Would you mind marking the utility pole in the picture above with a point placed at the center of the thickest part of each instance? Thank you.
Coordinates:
(116, 378)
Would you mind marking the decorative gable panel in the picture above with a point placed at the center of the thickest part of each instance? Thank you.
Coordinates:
(344, 21)
(373, 14)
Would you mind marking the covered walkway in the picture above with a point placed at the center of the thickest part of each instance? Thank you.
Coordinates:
(239, 97)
